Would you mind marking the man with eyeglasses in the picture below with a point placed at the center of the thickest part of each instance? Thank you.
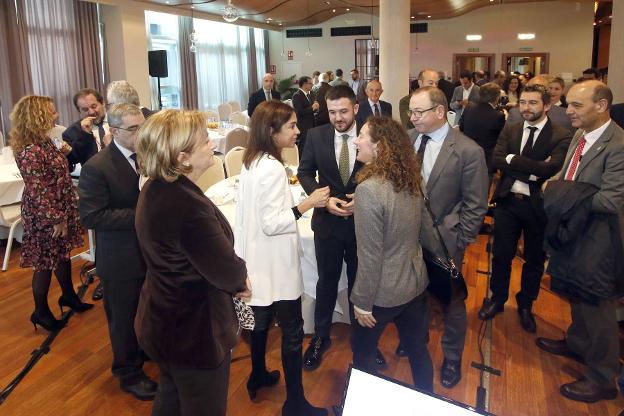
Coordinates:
(109, 191)
(455, 179)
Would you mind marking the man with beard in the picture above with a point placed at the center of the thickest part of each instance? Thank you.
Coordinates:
(528, 153)
(330, 151)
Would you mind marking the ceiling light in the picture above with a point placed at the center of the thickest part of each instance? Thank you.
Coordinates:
(230, 13)
(473, 37)
(526, 36)
(348, 10)
(279, 23)
(428, 17)
(327, 3)
(269, 18)
(333, 10)
(413, 17)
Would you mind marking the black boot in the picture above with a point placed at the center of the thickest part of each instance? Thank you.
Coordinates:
(296, 403)
(259, 377)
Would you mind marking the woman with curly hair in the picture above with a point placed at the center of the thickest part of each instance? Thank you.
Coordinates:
(512, 88)
(49, 207)
(391, 277)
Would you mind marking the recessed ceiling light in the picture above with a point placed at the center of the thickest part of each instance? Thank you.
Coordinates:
(327, 3)
(413, 17)
(269, 18)
(429, 17)
(473, 37)
(280, 23)
(348, 10)
(333, 10)
(526, 36)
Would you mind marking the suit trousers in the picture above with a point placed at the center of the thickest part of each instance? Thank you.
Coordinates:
(121, 298)
(593, 334)
(512, 217)
(288, 314)
(412, 322)
(455, 326)
(184, 391)
(330, 253)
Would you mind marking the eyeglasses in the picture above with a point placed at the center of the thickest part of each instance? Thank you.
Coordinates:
(131, 129)
(419, 113)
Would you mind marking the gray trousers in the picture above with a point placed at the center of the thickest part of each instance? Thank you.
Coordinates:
(594, 335)
(455, 325)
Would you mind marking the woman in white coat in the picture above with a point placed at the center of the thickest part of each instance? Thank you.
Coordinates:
(266, 237)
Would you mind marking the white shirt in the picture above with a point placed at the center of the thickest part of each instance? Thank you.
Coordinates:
(127, 153)
(591, 138)
(432, 150)
(267, 92)
(520, 187)
(466, 92)
(350, 143)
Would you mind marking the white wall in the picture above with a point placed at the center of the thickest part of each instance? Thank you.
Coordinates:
(562, 28)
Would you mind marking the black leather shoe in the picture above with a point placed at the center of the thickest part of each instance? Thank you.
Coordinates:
(587, 391)
(379, 358)
(527, 320)
(558, 347)
(98, 293)
(143, 388)
(451, 373)
(400, 351)
(489, 309)
(314, 354)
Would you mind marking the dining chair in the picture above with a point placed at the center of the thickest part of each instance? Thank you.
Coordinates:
(236, 137)
(239, 118)
(212, 175)
(290, 156)
(234, 161)
(10, 217)
(224, 111)
(235, 106)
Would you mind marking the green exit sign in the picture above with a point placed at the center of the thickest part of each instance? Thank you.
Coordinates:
(526, 49)
(473, 49)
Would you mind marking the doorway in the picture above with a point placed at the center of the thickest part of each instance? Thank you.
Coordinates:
(537, 63)
(472, 62)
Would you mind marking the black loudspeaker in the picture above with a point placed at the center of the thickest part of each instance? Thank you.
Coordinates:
(158, 64)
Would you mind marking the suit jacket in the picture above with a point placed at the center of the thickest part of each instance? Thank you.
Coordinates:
(543, 161)
(602, 166)
(448, 89)
(257, 97)
(305, 114)
(338, 81)
(403, 108)
(365, 111)
(458, 95)
(556, 114)
(322, 116)
(617, 114)
(83, 144)
(185, 315)
(458, 191)
(109, 191)
(319, 155)
(360, 94)
(483, 124)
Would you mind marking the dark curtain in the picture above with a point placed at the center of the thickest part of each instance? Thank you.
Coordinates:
(188, 69)
(88, 46)
(252, 61)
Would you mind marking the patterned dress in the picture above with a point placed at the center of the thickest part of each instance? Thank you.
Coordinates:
(49, 198)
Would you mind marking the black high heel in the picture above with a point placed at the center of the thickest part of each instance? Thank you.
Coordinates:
(47, 322)
(74, 304)
(269, 378)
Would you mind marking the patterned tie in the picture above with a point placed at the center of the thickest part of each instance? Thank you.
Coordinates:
(528, 146)
(576, 159)
(376, 107)
(268, 95)
(420, 154)
(343, 162)
(101, 133)
(133, 156)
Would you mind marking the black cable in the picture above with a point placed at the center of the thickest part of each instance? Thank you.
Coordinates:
(86, 278)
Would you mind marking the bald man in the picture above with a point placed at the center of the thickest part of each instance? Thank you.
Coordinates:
(426, 78)
(266, 93)
(556, 114)
(373, 106)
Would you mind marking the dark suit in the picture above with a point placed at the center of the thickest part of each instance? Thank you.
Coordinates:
(334, 237)
(365, 111)
(305, 115)
(448, 88)
(83, 144)
(109, 190)
(257, 97)
(516, 213)
(457, 188)
(556, 114)
(458, 96)
(483, 124)
(617, 114)
(322, 116)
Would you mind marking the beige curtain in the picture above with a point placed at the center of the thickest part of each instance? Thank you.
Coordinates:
(188, 71)
(15, 78)
(252, 61)
(91, 72)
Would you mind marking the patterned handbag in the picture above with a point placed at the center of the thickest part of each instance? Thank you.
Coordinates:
(244, 314)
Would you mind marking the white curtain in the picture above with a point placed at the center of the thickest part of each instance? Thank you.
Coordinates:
(55, 68)
(222, 63)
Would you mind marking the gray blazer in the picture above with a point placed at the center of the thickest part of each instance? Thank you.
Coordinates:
(556, 114)
(458, 191)
(603, 166)
(390, 271)
(458, 95)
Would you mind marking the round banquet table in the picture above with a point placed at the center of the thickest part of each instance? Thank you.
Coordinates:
(223, 195)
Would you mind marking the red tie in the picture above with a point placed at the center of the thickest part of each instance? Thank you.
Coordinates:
(576, 159)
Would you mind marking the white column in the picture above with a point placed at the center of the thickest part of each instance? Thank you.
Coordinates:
(394, 51)
(616, 52)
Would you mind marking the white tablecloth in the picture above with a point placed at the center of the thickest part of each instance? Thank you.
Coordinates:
(222, 194)
(218, 137)
(11, 182)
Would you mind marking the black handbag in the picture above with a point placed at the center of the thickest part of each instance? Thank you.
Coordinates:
(446, 282)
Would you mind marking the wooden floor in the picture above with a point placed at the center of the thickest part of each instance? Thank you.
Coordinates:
(75, 379)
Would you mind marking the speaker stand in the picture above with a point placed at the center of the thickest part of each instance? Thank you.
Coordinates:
(159, 96)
